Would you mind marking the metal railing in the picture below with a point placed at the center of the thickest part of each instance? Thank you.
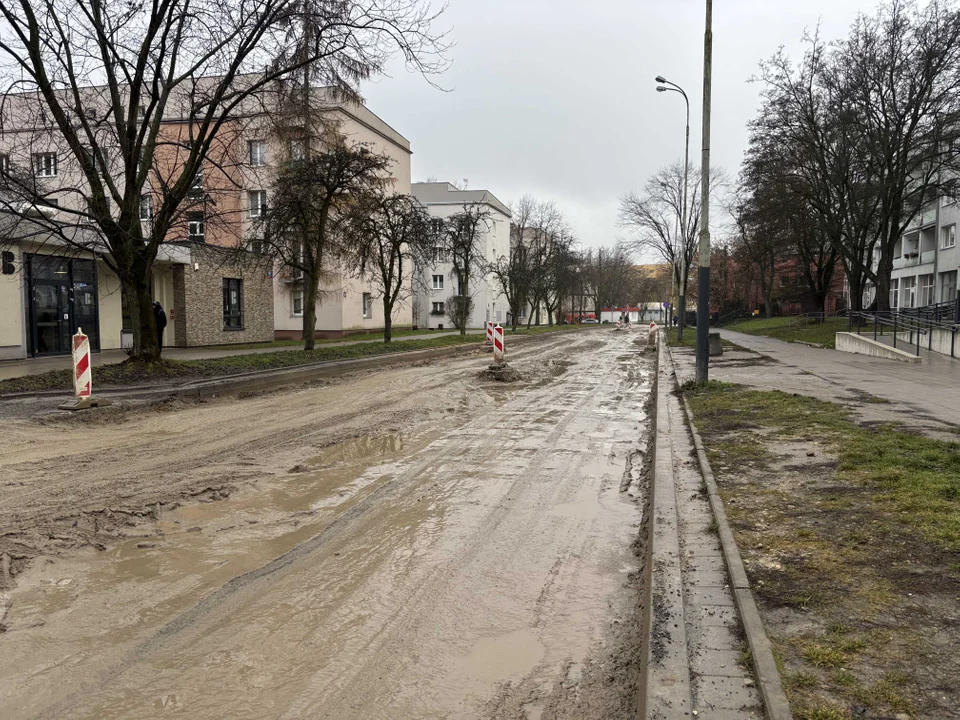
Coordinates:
(915, 325)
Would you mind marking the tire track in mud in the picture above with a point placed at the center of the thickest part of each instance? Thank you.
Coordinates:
(412, 603)
(64, 491)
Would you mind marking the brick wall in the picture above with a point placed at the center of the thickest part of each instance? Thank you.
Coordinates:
(198, 295)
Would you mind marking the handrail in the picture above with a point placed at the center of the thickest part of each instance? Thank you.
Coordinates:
(901, 323)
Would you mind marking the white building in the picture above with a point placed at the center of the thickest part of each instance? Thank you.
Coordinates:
(443, 200)
(926, 259)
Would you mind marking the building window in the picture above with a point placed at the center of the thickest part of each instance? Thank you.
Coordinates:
(437, 308)
(948, 286)
(146, 207)
(367, 306)
(195, 229)
(297, 302)
(438, 282)
(928, 295)
(99, 159)
(258, 203)
(298, 149)
(232, 304)
(909, 292)
(895, 293)
(258, 153)
(438, 255)
(45, 164)
(4, 164)
(948, 237)
(196, 188)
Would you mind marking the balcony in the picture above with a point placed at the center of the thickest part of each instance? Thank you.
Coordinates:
(928, 257)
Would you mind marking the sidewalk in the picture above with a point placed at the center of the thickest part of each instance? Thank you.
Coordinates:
(35, 366)
(931, 387)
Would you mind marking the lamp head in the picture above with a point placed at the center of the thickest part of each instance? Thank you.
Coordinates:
(660, 79)
(661, 88)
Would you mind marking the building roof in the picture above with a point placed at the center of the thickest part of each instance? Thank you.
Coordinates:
(443, 193)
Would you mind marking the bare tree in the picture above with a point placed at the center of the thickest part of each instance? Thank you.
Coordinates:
(310, 205)
(868, 127)
(155, 88)
(462, 241)
(610, 275)
(389, 237)
(655, 217)
(512, 272)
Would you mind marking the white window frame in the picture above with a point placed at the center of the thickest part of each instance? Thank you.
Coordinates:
(895, 293)
(258, 203)
(257, 153)
(928, 290)
(298, 149)
(5, 163)
(367, 300)
(45, 164)
(296, 294)
(438, 282)
(437, 308)
(146, 201)
(197, 224)
(948, 237)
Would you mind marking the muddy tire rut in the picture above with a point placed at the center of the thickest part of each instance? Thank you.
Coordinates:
(405, 543)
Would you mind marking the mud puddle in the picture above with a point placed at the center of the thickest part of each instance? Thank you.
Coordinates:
(478, 570)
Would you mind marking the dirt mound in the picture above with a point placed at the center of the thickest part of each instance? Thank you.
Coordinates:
(500, 372)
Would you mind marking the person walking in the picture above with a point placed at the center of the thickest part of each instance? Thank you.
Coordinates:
(161, 319)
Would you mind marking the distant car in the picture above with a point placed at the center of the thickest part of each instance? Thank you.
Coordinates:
(589, 321)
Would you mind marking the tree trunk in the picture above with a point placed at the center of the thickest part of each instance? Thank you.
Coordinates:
(144, 322)
(310, 290)
(884, 269)
(387, 320)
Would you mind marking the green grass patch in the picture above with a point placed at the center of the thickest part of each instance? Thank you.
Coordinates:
(792, 329)
(915, 478)
(130, 373)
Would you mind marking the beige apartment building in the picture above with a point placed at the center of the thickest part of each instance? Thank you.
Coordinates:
(214, 289)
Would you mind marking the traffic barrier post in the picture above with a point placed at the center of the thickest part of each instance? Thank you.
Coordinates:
(82, 376)
(498, 344)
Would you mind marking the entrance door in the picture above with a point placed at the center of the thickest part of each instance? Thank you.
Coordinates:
(63, 298)
(51, 303)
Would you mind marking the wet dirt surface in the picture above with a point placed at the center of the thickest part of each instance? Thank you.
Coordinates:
(413, 543)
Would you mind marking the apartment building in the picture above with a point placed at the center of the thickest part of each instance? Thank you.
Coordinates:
(444, 200)
(214, 289)
(926, 259)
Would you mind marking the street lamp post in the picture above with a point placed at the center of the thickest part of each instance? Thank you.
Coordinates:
(703, 280)
(667, 86)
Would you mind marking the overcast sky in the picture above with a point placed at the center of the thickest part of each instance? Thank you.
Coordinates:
(556, 97)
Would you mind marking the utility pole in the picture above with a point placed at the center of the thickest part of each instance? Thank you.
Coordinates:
(667, 86)
(703, 278)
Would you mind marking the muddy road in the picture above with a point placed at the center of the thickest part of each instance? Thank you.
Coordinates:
(412, 543)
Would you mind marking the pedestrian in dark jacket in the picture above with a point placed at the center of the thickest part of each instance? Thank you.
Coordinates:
(161, 318)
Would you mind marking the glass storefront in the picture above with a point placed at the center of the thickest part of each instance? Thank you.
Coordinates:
(62, 294)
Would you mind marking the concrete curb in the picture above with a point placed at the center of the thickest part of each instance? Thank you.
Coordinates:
(665, 675)
(860, 345)
(769, 683)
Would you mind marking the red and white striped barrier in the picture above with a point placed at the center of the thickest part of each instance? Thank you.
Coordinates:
(82, 376)
(498, 344)
(489, 340)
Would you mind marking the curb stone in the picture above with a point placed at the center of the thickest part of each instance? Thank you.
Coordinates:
(665, 691)
(775, 703)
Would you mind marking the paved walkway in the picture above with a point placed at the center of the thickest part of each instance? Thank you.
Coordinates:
(931, 387)
(35, 366)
